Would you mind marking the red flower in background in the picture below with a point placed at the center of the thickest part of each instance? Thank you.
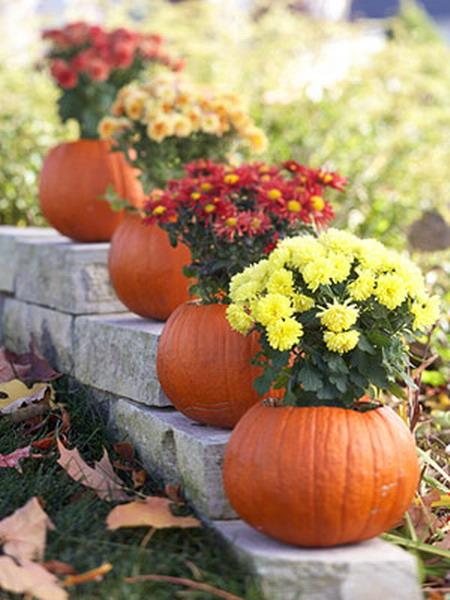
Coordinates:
(65, 76)
(91, 50)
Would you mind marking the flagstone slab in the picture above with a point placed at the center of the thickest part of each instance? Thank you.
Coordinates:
(51, 331)
(117, 353)
(67, 276)
(178, 451)
(372, 570)
(9, 237)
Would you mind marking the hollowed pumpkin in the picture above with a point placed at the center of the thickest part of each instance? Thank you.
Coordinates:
(320, 476)
(146, 271)
(74, 179)
(204, 366)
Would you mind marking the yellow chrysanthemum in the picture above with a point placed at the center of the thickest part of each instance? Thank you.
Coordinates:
(302, 303)
(339, 317)
(272, 308)
(246, 291)
(341, 342)
(363, 286)
(279, 257)
(390, 290)
(341, 265)
(339, 241)
(371, 254)
(318, 272)
(282, 282)
(411, 275)
(211, 124)
(426, 311)
(302, 250)
(284, 334)
(238, 319)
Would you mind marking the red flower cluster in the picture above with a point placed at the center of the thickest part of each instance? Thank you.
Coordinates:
(79, 48)
(245, 201)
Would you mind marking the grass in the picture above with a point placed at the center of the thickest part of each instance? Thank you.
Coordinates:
(81, 538)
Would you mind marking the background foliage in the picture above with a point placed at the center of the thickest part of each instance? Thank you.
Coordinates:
(384, 124)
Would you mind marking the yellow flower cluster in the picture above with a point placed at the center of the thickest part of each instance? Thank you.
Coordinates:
(170, 105)
(341, 276)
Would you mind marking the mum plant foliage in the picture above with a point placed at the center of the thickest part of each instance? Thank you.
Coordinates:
(335, 313)
(230, 216)
(169, 121)
(90, 65)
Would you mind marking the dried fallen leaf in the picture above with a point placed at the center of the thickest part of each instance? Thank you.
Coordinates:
(125, 450)
(26, 577)
(23, 534)
(195, 585)
(151, 512)
(445, 542)
(58, 567)
(15, 395)
(12, 460)
(92, 575)
(28, 367)
(139, 477)
(101, 478)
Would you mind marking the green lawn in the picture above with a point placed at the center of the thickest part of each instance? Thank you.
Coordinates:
(81, 538)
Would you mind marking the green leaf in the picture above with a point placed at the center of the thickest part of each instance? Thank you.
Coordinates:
(310, 378)
(365, 345)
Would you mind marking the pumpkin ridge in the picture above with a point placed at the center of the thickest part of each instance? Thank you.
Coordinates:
(370, 431)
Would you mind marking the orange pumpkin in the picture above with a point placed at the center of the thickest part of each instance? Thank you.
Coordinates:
(320, 476)
(204, 366)
(73, 180)
(146, 271)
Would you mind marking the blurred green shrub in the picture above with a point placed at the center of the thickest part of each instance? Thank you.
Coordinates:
(28, 128)
(385, 125)
(386, 128)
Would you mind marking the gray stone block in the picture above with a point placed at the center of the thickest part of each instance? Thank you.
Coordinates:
(2, 306)
(178, 451)
(66, 276)
(372, 570)
(9, 236)
(117, 353)
(50, 329)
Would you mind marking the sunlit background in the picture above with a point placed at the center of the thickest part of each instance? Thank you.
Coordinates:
(361, 87)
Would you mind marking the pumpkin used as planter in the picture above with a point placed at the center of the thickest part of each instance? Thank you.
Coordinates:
(321, 475)
(146, 271)
(204, 367)
(73, 181)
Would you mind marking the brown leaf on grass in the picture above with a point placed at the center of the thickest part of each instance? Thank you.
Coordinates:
(151, 512)
(28, 367)
(92, 575)
(58, 567)
(15, 395)
(424, 521)
(139, 476)
(23, 534)
(125, 450)
(12, 460)
(101, 478)
(195, 585)
(26, 577)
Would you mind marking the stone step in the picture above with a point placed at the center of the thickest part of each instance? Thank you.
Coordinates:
(177, 450)
(117, 354)
(51, 331)
(9, 237)
(66, 276)
(372, 570)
